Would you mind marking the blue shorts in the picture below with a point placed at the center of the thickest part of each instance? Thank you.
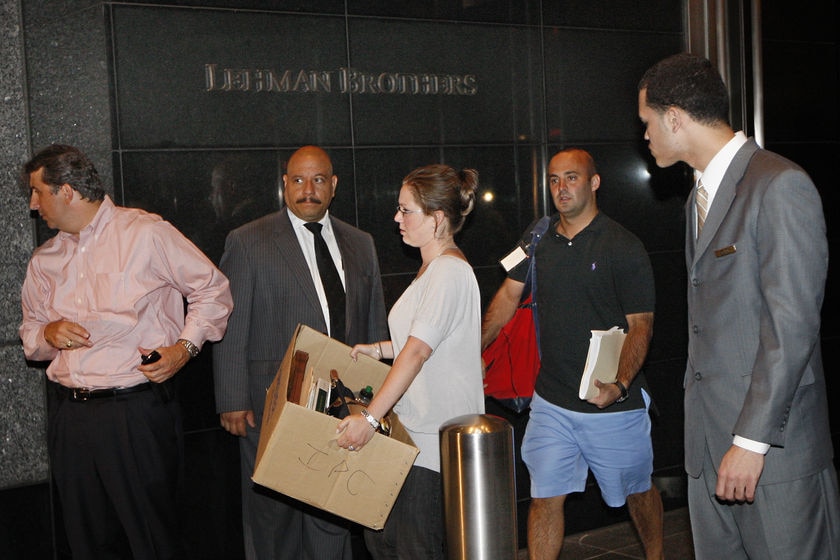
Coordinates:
(560, 445)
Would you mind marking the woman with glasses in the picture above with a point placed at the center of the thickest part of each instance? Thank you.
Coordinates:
(436, 347)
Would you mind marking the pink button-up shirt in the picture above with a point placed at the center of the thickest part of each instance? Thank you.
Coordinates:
(124, 278)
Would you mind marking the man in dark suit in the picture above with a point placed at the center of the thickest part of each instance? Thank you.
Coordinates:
(757, 441)
(272, 265)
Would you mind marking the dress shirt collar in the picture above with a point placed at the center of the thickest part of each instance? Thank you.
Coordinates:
(714, 172)
(100, 219)
(297, 223)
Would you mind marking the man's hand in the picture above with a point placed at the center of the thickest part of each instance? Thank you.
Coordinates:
(738, 475)
(172, 359)
(235, 421)
(66, 335)
(608, 393)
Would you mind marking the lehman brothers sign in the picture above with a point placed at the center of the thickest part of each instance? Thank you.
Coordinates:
(342, 80)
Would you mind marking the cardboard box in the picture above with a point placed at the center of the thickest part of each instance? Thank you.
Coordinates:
(298, 454)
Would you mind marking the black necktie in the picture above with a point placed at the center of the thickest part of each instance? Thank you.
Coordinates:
(330, 280)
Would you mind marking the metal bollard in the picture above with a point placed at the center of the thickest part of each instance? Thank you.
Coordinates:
(479, 493)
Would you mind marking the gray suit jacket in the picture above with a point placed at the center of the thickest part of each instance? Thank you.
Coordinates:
(273, 291)
(756, 280)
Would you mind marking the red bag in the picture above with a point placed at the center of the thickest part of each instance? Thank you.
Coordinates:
(512, 361)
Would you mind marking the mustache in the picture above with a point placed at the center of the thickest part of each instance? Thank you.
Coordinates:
(312, 199)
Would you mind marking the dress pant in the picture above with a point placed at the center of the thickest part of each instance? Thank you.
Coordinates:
(415, 528)
(279, 528)
(116, 463)
(787, 521)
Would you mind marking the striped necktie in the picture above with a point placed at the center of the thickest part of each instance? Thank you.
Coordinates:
(701, 200)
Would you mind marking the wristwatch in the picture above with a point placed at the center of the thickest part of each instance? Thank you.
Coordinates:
(624, 392)
(374, 423)
(191, 348)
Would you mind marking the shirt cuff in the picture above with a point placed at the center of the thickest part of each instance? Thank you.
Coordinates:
(751, 445)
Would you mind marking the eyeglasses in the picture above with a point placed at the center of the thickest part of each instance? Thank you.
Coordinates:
(405, 211)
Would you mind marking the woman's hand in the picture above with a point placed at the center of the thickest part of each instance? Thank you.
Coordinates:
(354, 432)
(371, 350)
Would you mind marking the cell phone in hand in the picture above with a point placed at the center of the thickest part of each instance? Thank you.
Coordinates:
(149, 358)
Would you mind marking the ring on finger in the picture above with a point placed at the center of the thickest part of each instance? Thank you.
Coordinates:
(69, 343)
(351, 448)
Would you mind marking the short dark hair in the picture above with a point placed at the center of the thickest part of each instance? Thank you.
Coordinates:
(691, 83)
(66, 165)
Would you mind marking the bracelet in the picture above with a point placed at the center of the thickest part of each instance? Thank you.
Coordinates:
(378, 349)
(191, 348)
(374, 423)
(623, 389)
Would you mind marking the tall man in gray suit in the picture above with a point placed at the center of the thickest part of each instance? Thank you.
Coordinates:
(272, 265)
(757, 441)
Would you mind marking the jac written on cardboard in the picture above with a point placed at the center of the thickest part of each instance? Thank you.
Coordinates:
(298, 455)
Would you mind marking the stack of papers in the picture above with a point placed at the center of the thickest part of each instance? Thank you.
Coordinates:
(601, 361)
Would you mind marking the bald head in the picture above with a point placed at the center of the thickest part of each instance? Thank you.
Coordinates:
(309, 183)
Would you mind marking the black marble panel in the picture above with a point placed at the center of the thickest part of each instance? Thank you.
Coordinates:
(801, 82)
(497, 100)
(817, 20)
(394, 285)
(652, 15)
(665, 380)
(25, 522)
(489, 279)
(670, 328)
(297, 6)
(194, 383)
(831, 363)
(592, 78)
(496, 11)
(67, 78)
(210, 497)
(171, 87)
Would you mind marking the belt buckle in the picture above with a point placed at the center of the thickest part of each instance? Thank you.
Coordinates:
(79, 395)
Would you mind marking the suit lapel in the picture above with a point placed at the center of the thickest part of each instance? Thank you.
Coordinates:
(292, 255)
(723, 198)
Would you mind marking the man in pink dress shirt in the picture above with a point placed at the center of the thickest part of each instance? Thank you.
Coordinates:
(103, 303)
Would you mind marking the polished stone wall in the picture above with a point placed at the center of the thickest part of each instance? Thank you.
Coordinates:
(22, 412)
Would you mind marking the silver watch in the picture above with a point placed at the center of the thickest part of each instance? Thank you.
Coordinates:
(191, 348)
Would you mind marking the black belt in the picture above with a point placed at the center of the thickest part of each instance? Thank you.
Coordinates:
(75, 394)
